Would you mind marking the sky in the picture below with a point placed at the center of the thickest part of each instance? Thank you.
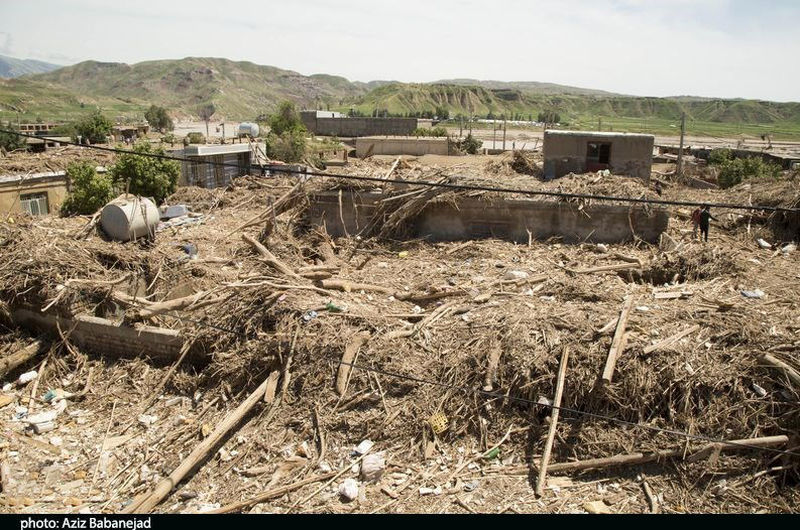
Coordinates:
(713, 48)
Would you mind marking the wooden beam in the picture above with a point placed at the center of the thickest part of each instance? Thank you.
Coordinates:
(618, 342)
(148, 501)
(669, 341)
(790, 372)
(19, 357)
(551, 432)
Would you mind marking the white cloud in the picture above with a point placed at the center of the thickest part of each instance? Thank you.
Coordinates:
(725, 48)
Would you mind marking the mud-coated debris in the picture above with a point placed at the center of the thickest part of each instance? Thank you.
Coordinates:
(364, 447)
(348, 490)
(372, 467)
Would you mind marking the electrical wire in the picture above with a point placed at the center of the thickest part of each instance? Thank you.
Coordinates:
(446, 185)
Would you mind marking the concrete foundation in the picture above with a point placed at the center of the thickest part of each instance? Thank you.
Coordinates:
(581, 152)
(509, 219)
(403, 145)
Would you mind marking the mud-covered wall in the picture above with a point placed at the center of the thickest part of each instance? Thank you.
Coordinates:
(501, 219)
(565, 152)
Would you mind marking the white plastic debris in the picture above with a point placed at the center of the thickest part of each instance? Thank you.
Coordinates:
(348, 489)
(324, 467)
(601, 248)
(43, 427)
(27, 377)
(759, 390)
(430, 491)
(643, 308)
(755, 293)
(6, 387)
(515, 275)
(372, 467)
(788, 249)
(147, 419)
(364, 447)
(763, 244)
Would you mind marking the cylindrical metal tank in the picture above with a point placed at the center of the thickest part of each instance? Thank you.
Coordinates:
(247, 129)
(129, 217)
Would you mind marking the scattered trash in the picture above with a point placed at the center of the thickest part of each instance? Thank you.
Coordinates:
(330, 306)
(757, 293)
(364, 447)
(471, 486)
(438, 422)
(492, 454)
(788, 249)
(372, 467)
(596, 507)
(176, 210)
(308, 316)
(348, 490)
(27, 377)
(515, 275)
(642, 308)
(147, 419)
(759, 390)
(601, 248)
(402, 254)
(430, 491)
(763, 244)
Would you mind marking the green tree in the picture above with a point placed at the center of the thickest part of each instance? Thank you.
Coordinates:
(289, 146)
(159, 119)
(10, 141)
(95, 127)
(89, 190)
(717, 157)
(286, 119)
(734, 171)
(442, 113)
(145, 175)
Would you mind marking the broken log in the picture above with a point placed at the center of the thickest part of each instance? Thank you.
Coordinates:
(669, 341)
(348, 358)
(605, 268)
(391, 169)
(271, 494)
(790, 372)
(642, 458)
(272, 386)
(285, 202)
(148, 501)
(10, 362)
(551, 431)
(491, 367)
(177, 304)
(618, 342)
(347, 286)
(269, 257)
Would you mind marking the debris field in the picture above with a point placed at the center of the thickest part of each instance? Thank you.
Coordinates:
(380, 374)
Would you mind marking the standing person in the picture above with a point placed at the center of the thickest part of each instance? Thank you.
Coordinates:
(695, 222)
(705, 220)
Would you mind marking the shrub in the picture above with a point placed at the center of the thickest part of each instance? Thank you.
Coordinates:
(196, 138)
(158, 118)
(168, 138)
(469, 145)
(89, 190)
(145, 175)
(290, 146)
(95, 127)
(719, 156)
(732, 172)
(10, 141)
(434, 132)
(286, 119)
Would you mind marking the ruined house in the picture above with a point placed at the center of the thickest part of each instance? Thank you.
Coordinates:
(213, 166)
(585, 151)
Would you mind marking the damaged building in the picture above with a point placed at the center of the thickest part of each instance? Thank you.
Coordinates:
(585, 151)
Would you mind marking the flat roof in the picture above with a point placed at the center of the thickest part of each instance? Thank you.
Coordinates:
(602, 134)
(34, 177)
(408, 138)
(215, 149)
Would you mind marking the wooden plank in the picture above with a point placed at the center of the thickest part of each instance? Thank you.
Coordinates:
(551, 433)
(671, 339)
(618, 342)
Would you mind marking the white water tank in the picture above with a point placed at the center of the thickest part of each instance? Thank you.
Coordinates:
(129, 217)
(247, 129)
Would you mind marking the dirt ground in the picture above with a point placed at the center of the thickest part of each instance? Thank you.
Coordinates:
(473, 330)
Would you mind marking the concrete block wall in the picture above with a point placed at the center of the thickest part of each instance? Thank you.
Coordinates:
(105, 337)
(351, 127)
(404, 145)
(565, 152)
(508, 219)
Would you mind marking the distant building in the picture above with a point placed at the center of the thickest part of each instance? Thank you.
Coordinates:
(404, 145)
(37, 194)
(123, 133)
(327, 123)
(586, 151)
(197, 172)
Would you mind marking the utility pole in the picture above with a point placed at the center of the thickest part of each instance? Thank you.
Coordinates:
(679, 167)
(599, 124)
(494, 134)
(504, 134)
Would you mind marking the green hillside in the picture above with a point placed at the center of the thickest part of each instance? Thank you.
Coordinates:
(241, 90)
(13, 67)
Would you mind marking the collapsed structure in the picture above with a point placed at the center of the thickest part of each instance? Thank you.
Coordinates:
(275, 357)
(587, 151)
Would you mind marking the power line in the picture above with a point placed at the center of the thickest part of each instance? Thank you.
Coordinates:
(445, 185)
